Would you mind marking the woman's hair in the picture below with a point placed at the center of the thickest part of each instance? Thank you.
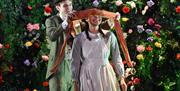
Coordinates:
(86, 29)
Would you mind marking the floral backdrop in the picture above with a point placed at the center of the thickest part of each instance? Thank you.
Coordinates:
(151, 29)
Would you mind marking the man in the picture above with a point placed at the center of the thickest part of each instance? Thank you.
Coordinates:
(56, 29)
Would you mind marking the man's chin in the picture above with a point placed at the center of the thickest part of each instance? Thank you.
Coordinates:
(69, 12)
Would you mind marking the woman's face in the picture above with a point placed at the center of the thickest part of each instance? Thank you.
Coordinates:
(95, 20)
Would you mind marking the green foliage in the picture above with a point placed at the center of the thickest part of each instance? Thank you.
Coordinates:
(159, 69)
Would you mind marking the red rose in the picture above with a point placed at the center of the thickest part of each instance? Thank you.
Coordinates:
(157, 34)
(48, 9)
(45, 84)
(26, 89)
(1, 79)
(7, 46)
(1, 17)
(178, 56)
(125, 9)
(1, 56)
(11, 68)
(136, 81)
(178, 9)
(149, 49)
(36, 45)
(130, 83)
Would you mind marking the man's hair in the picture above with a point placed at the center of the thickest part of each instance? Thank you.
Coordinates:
(60, 1)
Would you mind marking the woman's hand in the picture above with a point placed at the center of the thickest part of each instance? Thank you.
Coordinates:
(123, 84)
(76, 86)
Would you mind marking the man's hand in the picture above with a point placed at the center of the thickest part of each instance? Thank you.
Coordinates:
(71, 15)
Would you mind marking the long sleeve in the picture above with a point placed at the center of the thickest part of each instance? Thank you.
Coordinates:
(52, 30)
(116, 57)
(76, 58)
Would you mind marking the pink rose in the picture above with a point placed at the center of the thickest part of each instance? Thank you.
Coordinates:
(1, 46)
(45, 57)
(118, 2)
(130, 31)
(178, 56)
(140, 48)
(31, 27)
(151, 21)
(158, 26)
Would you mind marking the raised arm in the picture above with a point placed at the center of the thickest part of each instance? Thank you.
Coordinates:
(53, 31)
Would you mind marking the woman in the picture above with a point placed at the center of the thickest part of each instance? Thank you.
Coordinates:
(90, 64)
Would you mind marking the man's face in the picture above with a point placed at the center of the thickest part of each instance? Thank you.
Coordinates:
(95, 20)
(65, 7)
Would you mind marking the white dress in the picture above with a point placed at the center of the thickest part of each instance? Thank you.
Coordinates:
(90, 64)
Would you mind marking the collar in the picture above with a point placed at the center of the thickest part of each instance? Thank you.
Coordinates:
(63, 17)
(94, 35)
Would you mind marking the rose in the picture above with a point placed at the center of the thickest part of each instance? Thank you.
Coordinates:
(158, 26)
(140, 48)
(1, 46)
(151, 21)
(45, 57)
(140, 57)
(178, 9)
(136, 81)
(48, 9)
(118, 2)
(125, 9)
(158, 45)
(178, 56)
(149, 49)
(28, 43)
(7, 46)
(45, 84)
(29, 7)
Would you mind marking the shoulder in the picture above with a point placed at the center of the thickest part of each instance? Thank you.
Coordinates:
(52, 18)
(108, 34)
(80, 36)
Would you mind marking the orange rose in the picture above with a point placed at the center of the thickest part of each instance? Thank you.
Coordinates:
(149, 49)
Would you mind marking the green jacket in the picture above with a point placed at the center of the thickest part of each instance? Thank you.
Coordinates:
(55, 37)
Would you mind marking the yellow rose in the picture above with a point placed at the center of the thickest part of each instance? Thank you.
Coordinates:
(35, 90)
(29, 43)
(125, 19)
(140, 57)
(158, 45)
